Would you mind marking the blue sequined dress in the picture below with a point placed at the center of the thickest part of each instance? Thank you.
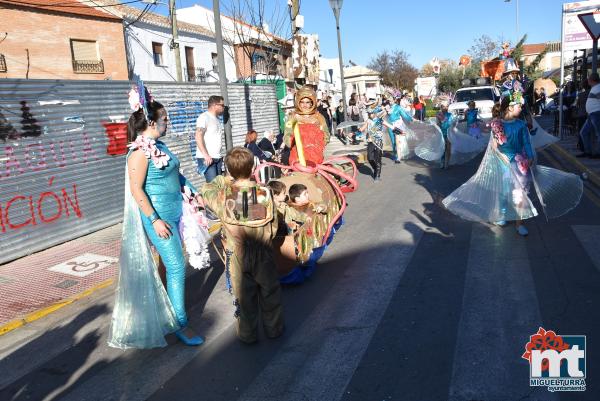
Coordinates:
(144, 312)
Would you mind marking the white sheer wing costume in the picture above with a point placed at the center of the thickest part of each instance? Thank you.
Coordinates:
(426, 140)
(499, 190)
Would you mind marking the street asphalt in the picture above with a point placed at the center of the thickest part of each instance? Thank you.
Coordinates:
(408, 303)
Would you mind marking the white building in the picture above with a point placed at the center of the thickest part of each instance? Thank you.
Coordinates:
(250, 47)
(151, 56)
(330, 80)
(363, 80)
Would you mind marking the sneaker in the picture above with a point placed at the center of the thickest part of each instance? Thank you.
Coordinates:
(522, 230)
(500, 223)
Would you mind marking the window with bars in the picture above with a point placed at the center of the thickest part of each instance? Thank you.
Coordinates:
(3, 63)
(86, 57)
(259, 64)
(157, 53)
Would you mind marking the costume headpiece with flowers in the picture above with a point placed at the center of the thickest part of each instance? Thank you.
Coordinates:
(140, 98)
(305, 92)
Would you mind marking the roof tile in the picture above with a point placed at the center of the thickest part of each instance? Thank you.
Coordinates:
(83, 7)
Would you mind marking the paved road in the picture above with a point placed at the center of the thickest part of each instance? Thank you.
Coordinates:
(409, 303)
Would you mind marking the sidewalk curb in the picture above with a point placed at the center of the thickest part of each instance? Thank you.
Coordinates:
(33, 316)
(593, 177)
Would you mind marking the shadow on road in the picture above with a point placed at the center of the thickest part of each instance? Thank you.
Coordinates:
(72, 363)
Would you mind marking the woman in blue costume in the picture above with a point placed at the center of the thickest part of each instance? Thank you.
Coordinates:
(500, 189)
(396, 115)
(143, 312)
(444, 120)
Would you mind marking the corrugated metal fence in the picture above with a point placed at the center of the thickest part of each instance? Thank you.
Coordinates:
(62, 147)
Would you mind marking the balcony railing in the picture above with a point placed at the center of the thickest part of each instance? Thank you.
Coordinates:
(194, 74)
(2, 63)
(88, 66)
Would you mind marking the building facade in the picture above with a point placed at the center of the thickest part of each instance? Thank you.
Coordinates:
(67, 40)
(362, 80)
(256, 53)
(151, 53)
(551, 59)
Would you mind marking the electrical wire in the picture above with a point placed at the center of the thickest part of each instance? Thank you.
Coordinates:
(139, 17)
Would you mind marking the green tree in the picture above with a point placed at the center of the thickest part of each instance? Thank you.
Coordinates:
(450, 76)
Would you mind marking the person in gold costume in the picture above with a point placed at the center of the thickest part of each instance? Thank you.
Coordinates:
(311, 125)
(248, 233)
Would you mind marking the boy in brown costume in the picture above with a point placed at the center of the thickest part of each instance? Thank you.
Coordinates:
(248, 233)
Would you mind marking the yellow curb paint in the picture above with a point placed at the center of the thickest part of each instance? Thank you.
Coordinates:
(15, 324)
(595, 178)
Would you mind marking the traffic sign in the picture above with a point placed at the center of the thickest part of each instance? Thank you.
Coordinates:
(591, 22)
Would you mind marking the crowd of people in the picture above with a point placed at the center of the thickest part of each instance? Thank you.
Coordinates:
(150, 298)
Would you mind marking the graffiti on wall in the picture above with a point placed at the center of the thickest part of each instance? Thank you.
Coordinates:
(45, 207)
(20, 209)
(183, 116)
(29, 125)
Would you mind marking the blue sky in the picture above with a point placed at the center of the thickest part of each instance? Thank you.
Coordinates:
(424, 29)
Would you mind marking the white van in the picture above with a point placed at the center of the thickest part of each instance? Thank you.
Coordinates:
(484, 96)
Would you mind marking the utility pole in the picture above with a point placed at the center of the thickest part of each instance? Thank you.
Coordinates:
(222, 72)
(175, 42)
(294, 10)
(336, 6)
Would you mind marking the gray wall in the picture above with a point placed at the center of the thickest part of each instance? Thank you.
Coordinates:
(62, 166)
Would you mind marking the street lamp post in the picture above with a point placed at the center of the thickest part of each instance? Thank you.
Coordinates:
(517, 14)
(336, 6)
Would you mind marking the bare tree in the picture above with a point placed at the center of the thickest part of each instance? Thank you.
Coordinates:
(395, 69)
(261, 34)
(484, 48)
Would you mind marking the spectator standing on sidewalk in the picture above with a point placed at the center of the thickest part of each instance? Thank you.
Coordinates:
(592, 123)
(362, 106)
(209, 134)
(581, 100)
(418, 106)
(325, 110)
(542, 99)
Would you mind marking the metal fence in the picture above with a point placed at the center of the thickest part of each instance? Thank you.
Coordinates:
(63, 146)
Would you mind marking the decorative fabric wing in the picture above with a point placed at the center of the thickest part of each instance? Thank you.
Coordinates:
(464, 146)
(193, 228)
(426, 139)
(559, 192)
(542, 138)
(489, 195)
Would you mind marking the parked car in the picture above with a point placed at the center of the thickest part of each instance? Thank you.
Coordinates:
(484, 96)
